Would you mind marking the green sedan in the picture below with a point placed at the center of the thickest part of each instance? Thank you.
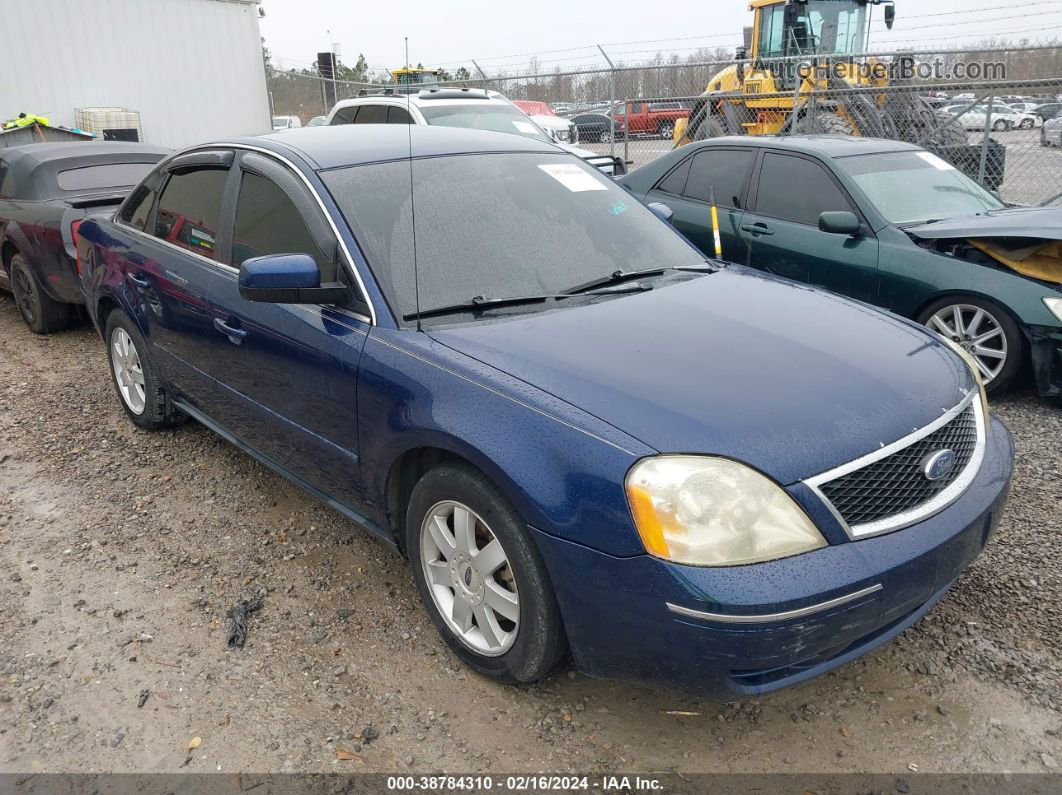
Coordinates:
(883, 222)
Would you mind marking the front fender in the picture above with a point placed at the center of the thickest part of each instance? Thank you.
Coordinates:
(562, 470)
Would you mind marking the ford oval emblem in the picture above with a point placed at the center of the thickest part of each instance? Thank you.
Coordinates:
(939, 464)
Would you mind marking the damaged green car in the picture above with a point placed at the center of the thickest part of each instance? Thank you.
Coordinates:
(883, 222)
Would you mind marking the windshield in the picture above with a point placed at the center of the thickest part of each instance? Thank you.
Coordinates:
(916, 187)
(498, 226)
(484, 116)
(828, 27)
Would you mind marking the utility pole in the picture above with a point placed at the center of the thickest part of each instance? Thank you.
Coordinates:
(407, 52)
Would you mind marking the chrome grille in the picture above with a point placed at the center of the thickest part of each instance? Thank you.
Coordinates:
(896, 484)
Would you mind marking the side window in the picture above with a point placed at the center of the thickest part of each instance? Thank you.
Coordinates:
(675, 182)
(795, 189)
(397, 115)
(190, 208)
(135, 211)
(267, 222)
(372, 114)
(345, 115)
(772, 25)
(725, 170)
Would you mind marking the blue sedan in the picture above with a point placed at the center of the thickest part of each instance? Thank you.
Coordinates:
(587, 439)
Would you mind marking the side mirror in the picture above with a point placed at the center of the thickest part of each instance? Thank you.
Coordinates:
(890, 15)
(287, 279)
(840, 223)
(662, 211)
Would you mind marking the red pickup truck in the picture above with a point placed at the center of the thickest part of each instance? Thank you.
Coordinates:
(653, 118)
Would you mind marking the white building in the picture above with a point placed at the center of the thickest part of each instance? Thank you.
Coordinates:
(192, 68)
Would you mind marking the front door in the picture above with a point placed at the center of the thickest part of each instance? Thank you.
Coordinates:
(783, 237)
(289, 371)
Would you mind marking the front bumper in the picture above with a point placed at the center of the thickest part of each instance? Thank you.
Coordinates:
(1046, 347)
(619, 623)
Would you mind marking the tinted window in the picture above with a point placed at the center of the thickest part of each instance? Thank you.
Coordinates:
(726, 170)
(189, 209)
(526, 224)
(110, 175)
(345, 115)
(372, 114)
(675, 182)
(136, 209)
(397, 115)
(795, 189)
(267, 222)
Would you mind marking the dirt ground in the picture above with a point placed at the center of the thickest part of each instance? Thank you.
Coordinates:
(120, 552)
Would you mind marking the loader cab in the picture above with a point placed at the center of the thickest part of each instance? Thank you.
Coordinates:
(786, 28)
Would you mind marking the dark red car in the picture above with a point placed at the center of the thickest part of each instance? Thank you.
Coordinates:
(653, 118)
(45, 192)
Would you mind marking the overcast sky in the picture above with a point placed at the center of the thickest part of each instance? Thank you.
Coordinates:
(451, 34)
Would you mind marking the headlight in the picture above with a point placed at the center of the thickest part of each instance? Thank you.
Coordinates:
(1055, 305)
(705, 511)
(972, 364)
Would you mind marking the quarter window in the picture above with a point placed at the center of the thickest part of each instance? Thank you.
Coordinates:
(795, 189)
(372, 114)
(267, 222)
(397, 115)
(675, 182)
(345, 115)
(190, 209)
(725, 170)
(135, 211)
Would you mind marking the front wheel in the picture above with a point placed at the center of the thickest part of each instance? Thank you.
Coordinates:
(666, 130)
(985, 331)
(481, 578)
(1027, 124)
(1000, 125)
(604, 137)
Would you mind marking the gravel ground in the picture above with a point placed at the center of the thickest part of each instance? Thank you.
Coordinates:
(121, 551)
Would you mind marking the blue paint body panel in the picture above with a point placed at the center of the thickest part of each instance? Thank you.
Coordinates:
(555, 408)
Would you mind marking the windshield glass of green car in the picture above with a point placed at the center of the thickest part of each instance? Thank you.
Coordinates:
(915, 187)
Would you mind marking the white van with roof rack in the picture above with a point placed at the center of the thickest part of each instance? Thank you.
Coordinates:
(458, 107)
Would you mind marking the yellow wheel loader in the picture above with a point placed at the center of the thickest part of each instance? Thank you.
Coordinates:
(796, 47)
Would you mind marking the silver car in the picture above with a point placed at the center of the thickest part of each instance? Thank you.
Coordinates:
(1051, 132)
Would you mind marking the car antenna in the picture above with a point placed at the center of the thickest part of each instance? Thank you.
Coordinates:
(412, 205)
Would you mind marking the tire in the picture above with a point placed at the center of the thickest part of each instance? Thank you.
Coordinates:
(149, 407)
(712, 127)
(824, 124)
(604, 137)
(524, 650)
(1000, 125)
(1027, 124)
(42, 313)
(666, 130)
(1011, 342)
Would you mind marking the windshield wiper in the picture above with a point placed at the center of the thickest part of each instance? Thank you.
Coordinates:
(619, 277)
(481, 303)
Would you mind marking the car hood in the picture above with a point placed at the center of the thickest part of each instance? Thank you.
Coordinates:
(1030, 222)
(789, 379)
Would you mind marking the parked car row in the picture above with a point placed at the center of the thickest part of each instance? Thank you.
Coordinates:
(589, 439)
(1000, 117)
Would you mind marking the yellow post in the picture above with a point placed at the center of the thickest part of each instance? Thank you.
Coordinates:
(715, 224)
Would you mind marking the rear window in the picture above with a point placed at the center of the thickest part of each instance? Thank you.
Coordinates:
(110, 175)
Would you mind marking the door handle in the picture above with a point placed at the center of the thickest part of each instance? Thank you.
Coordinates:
(136, 281)
(235, 335)
(757, 229)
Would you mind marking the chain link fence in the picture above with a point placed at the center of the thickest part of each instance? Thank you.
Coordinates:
(990, 112)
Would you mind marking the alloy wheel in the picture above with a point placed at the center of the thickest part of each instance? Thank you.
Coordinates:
(128, 371)
(977, 332)
(469, 578)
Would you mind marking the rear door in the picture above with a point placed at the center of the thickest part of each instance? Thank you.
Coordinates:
(782, 234)
(687, 190)
(289, 372)
(177, 215)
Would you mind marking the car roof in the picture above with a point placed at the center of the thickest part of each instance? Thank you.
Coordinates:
(426, 98)
(34, 167)
(356, 144)
(822, 145)
(32, 155)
